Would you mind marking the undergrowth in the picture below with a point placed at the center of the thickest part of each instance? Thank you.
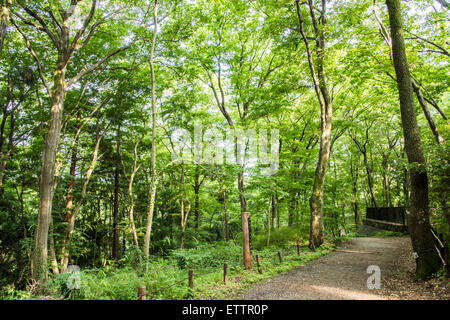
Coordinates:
(207, 261)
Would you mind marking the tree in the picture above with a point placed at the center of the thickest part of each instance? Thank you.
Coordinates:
(326, 111)
(5, 11)
(59, 33)
(154, 181)
(427, 260)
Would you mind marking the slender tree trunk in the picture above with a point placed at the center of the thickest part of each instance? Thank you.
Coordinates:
(154, 173)
(354, 172)
(69, 199)
(316, 237)
(115, 248)
(4, 156)
(386, 182)
(197, 199)
(274, 211)
(131, 210)
(369, 179)
(225, 210)
(269, 221)
(184, 212)
(72, 216)
(291, 210)
(54, 263)
(439, 139)
(428, 261)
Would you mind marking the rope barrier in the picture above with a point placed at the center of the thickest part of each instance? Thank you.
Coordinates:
(208, 273)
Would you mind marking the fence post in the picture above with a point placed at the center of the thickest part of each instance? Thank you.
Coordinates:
(248, 259)
(298, 248)
(142, 293)
(225, 273)
(279, 256)
(191, 280)
(258, 261)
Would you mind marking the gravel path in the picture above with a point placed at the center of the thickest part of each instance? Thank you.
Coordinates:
(341, 275)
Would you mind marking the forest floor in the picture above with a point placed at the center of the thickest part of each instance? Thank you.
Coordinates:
(342, 275)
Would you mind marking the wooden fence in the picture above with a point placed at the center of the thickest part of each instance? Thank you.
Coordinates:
(392, 214)
(142, 291)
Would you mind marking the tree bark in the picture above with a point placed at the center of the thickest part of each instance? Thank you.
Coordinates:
(154, 173)
(197, 185)
(184, 211)
(428, 261)
(248, 258)
(5, 11)
(439, 139)
(354, 172)
(225, 210)
(369, 179)
(40, 254)
(316, 237)
(115, 247)
(4, 156)
(69, 200)
(134, 171)
(274, 211)
(73, 215)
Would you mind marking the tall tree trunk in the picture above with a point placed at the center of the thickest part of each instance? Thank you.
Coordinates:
(274, 211)
(5, 11)
(184, 211)
(439, 139)
(115, 248)
(131, 210)
(269, 221)
(428, 261)
(134, 171)
(4, 156)
(291, 213)
(354, 172)
(369, 179)
(316, 237)
(69, 197)
(246, 228)
(154, 173)
(53, 260)
(197, 186)
(39, 261)
(72, 216)
(225, 211)
(386, 182)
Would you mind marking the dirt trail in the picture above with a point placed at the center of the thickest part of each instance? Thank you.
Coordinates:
(341, 275)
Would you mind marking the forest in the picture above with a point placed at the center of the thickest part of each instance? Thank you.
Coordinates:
(141, 139)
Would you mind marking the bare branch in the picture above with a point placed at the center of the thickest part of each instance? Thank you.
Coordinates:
(441, 49)
(45, 27)
(97, 65)
(74, 45)
(34, 55)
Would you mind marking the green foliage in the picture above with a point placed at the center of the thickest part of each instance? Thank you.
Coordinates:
(245, 58)
(110, 283)
(285, 236)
